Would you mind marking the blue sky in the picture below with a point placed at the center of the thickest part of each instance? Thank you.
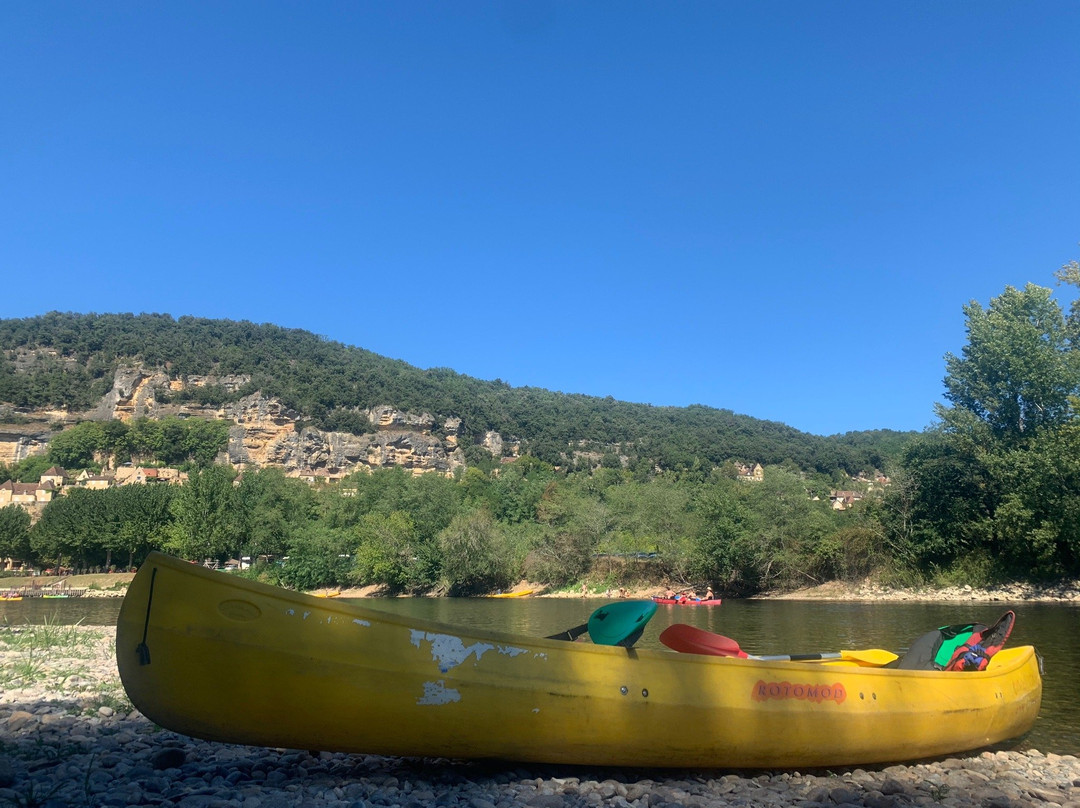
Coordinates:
(776, 208)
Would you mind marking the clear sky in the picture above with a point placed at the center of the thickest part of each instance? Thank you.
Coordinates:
(777, 208)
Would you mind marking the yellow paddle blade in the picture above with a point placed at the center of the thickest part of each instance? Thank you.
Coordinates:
(873, 657)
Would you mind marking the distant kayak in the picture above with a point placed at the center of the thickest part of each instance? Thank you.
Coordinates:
(688, 601)
(520, 594)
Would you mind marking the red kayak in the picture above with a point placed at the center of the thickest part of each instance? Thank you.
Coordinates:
(687, 601)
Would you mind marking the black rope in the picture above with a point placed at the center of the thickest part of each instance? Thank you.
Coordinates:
(142, 649)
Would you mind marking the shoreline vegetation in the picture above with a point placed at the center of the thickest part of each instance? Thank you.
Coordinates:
(115, 585)
(532, 484)
(69, 736)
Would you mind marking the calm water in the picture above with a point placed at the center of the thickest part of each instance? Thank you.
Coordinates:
(758, 626)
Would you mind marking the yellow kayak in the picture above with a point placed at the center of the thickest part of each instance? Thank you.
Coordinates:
(523, 593)
(227, 659)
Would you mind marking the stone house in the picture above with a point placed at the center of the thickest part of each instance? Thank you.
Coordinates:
(752, 474)
(55, 475)
(842, 500)
(140, 475)
(25, 494)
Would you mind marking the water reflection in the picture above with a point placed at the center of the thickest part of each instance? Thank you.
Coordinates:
(783, 627)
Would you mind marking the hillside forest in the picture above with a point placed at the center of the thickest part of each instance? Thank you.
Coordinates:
(989, 493)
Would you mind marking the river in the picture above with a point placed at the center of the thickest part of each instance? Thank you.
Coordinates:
(759, 626)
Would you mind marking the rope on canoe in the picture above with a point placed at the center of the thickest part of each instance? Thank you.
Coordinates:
(142, 649)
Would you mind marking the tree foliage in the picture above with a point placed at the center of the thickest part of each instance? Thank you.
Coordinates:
(995, 483)
(991, 491)
(68, 360)
(15, 533)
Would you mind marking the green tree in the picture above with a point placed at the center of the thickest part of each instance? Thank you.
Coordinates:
(994, 482)
(788, 527)
(388, 552)
(723, 551)
(77, 446)
(519, 487)
(15, 533)
(319, 556)
(268, 509)
(145, 441)
(30, 469)
(476, 555)
(141, 516)
(574, 525)
(203, 523)
(654, 516)
(74, 528)
(1016, 373)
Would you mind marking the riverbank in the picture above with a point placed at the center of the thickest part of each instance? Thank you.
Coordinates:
(115, 585)
(68, 736)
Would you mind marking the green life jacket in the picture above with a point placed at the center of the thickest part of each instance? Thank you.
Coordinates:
(964, 647)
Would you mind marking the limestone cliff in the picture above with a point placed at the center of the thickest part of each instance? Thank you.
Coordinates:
(264, 432)
(18, 442)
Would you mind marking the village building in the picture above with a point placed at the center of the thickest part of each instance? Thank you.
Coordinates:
(842, 500)
(57, 476)
(32, 496)
(752, 474)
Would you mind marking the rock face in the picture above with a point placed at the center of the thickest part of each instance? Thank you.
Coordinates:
(264, 431)
(265, 434)
(18, 443)
(132, 395)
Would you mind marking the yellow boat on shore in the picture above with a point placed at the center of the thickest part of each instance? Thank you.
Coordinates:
(232, 660)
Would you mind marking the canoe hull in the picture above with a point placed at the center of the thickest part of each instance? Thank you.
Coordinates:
(236, 661)
(688, 602)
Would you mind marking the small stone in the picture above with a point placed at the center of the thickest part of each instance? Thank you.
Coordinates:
(19, 719)
(7, 772)
(168, 758)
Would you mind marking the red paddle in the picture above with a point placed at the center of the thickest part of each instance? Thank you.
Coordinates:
(692, 640)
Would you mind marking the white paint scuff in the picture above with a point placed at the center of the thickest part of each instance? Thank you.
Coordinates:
(446, 649)
(450, 651)
(438, 693)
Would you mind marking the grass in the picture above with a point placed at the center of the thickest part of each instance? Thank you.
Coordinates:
(118, 586)
(34, 645)
(69, 639)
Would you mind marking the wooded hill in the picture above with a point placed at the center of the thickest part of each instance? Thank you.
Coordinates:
(65, 360)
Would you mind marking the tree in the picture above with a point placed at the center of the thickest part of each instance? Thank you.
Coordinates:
(1016, 373)
(574, 526)
(203, 523)
(788, 528)
(77, 446)
(993, 484)
(387, 551)
(74, 528)
(269, 508)
(476, 555)
(722, 551)
(14, 533)
(653, 516)
(319, 555)
(141, 516)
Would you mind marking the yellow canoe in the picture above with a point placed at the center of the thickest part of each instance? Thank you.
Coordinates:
(226, 659)
(523, 593)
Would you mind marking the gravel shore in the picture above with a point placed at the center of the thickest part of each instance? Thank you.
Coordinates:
(69, 737)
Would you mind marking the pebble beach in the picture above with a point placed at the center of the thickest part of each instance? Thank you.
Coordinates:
(69, 737)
